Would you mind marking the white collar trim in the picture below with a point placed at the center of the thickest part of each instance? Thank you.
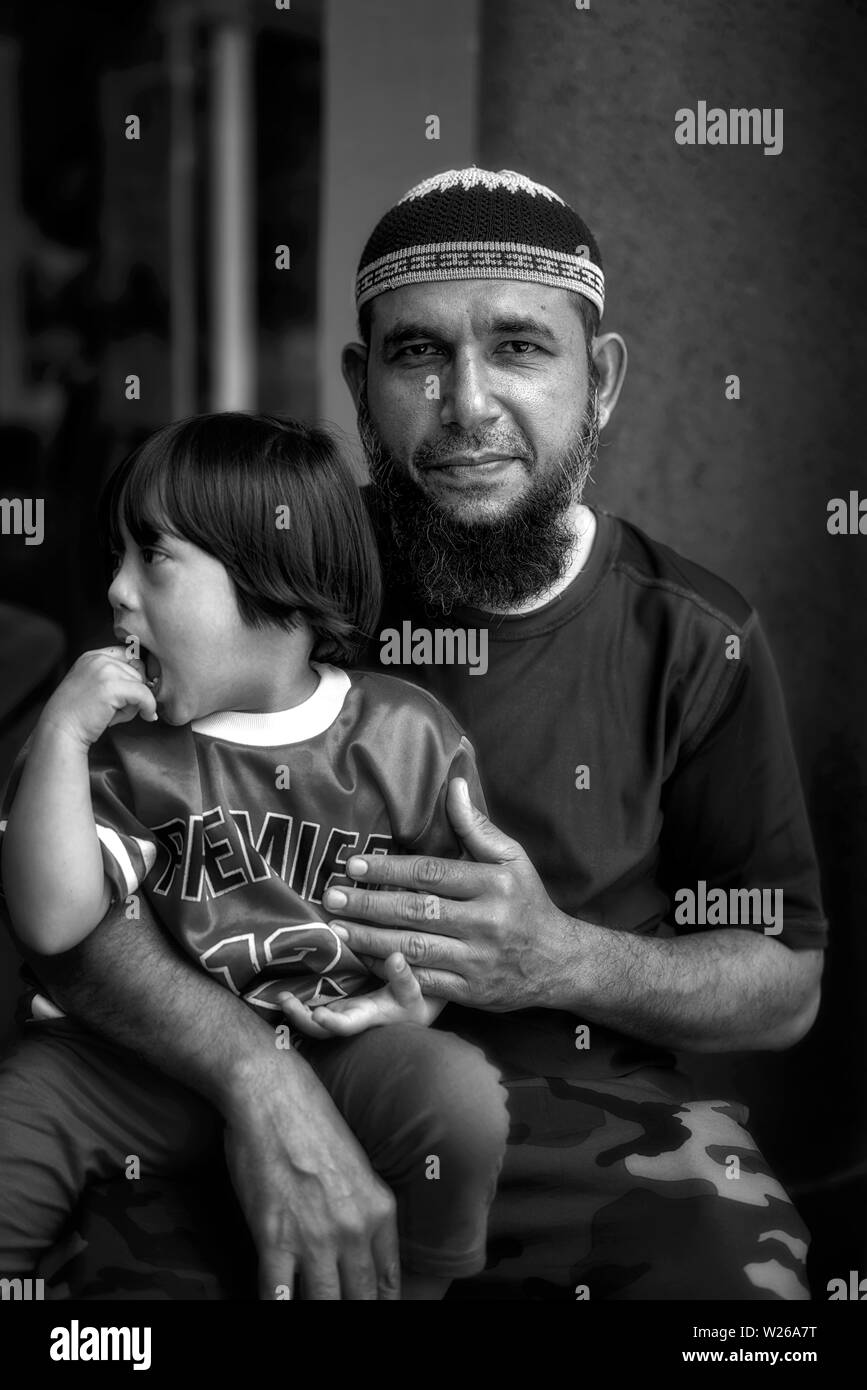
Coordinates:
(271, 730)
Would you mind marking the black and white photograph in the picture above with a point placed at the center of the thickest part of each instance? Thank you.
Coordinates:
(433, 575)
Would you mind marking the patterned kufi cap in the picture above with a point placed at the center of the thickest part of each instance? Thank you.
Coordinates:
(472, 224)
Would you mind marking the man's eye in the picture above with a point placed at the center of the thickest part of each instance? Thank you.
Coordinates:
(150, 555)
(520, 347)
(418, 350)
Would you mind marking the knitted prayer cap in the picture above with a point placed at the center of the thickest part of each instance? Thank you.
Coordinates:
(472, 224)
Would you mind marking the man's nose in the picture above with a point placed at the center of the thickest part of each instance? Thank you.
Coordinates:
(465, 394)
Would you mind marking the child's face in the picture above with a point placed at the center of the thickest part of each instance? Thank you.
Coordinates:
(180, 603)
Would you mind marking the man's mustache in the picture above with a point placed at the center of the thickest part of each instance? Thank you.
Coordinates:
(430, 455)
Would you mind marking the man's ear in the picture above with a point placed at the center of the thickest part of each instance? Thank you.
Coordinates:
(611, 357)
(353, 362)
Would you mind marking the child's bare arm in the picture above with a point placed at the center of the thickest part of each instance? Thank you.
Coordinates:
(53, 874)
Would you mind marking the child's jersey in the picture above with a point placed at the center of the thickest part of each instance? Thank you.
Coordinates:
(232, 827)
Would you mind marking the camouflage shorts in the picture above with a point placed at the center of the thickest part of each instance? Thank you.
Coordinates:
(612, 1188)
(604, 1195)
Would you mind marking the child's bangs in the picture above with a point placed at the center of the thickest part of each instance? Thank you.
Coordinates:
(151, 495)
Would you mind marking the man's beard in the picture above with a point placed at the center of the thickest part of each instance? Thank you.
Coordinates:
(495, 564)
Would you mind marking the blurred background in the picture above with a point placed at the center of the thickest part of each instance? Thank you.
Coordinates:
(269, 132)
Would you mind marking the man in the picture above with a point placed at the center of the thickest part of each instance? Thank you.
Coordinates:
(632, 740)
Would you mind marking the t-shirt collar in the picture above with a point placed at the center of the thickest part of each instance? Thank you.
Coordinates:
(278, 727)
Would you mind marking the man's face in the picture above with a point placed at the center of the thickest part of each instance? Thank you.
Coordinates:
(511, 366)
(480, 425)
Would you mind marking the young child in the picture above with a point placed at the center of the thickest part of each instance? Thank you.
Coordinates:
(219, 762)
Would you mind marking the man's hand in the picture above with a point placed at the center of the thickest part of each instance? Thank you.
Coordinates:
(315, 1208)
(399, 1001)
(486, 934)
(313, 1203)
(499, 942)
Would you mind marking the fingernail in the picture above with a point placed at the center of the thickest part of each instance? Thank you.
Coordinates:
(335, 898)
(357, 867)
(339, 931)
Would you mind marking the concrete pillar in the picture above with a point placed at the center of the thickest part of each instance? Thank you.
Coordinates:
(233, 268)
(10, 234)
(182, 166)
(389, 65)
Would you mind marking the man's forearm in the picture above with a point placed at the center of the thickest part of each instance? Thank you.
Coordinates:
(721, 991)
(128, 981)
(314, 1206)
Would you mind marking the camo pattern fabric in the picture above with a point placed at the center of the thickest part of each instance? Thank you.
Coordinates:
(610, 1190)
(175, 1239)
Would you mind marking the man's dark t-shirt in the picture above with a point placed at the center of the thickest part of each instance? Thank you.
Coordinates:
(633, 749)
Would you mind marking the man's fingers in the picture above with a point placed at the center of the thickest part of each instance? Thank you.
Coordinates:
(480, 836)
(417, 947)
(358, 1276)
(320, 1280)
(386, 1260)
(399, 909)
(425, 873)
(277, 1275)
(443, 984)
(459, 879)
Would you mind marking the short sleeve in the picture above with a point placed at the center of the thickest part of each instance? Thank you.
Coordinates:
(734, 812)
(129, 848)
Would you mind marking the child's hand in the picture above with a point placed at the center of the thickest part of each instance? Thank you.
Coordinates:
(102, 688)
(400, 1001)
